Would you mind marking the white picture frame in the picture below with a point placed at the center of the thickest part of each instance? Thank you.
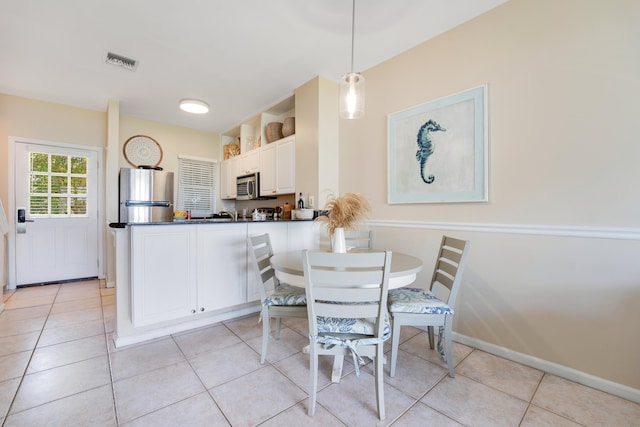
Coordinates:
(438, 151)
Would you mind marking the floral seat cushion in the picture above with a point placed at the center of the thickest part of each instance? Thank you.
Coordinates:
(414, 300)
(419, 301)
(286, 295)
(330, 328)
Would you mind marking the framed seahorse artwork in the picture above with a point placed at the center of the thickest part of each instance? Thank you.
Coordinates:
(437, 151)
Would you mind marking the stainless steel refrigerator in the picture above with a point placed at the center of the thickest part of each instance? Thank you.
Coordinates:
(146, 195)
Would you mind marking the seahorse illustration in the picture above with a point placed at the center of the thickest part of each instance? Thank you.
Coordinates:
(425, 146)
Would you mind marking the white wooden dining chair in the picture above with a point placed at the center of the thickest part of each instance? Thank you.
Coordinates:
(346, 304)
(360, 239)
(417, 307)
(278, 299)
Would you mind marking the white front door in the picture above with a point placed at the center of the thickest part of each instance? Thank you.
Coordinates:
(57, 187)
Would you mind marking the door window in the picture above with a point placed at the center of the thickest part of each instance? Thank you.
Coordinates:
(57, 185)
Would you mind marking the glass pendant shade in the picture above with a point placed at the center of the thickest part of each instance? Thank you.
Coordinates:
(352, 96)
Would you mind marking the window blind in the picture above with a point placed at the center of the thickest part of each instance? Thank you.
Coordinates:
(197, 184)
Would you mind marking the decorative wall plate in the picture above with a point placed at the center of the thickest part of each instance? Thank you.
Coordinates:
(142, 150)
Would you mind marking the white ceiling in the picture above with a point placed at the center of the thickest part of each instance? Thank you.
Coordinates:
(240, 56)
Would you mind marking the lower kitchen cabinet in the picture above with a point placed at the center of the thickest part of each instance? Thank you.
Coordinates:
(183, 270)
(163, 273)
(221, 277)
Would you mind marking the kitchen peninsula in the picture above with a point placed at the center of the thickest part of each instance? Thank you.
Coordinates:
(176, 276)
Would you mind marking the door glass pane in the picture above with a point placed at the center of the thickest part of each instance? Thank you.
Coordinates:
(39, 162)
(59, 163)
(39, 184)
(78, 185)
(38, 205)
(59, 185)
(79, 165)
(59, 206)
(78, 205)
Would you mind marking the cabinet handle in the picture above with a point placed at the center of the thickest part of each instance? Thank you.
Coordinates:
(193, 311)
(201, 308)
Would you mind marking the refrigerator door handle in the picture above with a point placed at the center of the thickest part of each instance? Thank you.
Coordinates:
(152, 204)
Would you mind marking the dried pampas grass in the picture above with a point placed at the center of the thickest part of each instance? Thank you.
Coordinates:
(345, 212)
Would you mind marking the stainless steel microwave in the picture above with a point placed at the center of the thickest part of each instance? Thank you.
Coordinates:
(248, 186)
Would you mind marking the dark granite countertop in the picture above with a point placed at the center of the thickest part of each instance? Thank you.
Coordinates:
(205, 221)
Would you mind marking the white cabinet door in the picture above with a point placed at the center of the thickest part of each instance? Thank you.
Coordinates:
(163, 273)
(285, 166)
(222, 251)
(278, 235)
(277, 168)
(228, 174)
(249, 162)
(268, 170)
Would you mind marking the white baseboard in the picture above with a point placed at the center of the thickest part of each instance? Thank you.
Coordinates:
(111, 284)
(598, 383)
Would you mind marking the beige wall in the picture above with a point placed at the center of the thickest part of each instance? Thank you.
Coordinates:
(553, 272)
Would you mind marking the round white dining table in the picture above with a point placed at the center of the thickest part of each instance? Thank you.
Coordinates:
(289, 269)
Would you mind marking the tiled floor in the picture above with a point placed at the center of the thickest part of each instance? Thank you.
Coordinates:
(58, 367)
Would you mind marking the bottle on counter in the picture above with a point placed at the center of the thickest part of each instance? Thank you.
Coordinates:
(300, 202)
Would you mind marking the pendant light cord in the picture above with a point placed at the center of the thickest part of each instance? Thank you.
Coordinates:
(353, 25)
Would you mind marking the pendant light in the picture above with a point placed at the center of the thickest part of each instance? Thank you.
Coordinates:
(352, 84)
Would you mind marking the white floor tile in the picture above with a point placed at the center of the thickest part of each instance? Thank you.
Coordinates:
(148, 392)
(47, 386)
(90, 408)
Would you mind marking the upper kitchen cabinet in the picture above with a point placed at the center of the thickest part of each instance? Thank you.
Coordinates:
(228, 174)
(249, 162)
(277, 167)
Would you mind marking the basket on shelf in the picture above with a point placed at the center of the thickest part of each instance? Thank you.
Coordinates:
(231, 150)
(289, 126)
(273, 131)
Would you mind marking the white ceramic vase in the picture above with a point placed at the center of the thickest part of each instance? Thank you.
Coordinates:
(339, 243)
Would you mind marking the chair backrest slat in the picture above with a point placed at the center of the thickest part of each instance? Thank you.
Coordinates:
(450, 269)
(339, 310)
(451, 255)
(445, 280)
(343, 279)
(344, 294)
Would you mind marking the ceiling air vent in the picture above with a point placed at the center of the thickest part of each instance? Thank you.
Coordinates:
(121, 61)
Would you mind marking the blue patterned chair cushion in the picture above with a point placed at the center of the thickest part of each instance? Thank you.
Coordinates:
(287, 295)
(414, 300)
(339, 325)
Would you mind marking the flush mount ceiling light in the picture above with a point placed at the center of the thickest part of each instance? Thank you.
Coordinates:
(352, 84)
(194, 106)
